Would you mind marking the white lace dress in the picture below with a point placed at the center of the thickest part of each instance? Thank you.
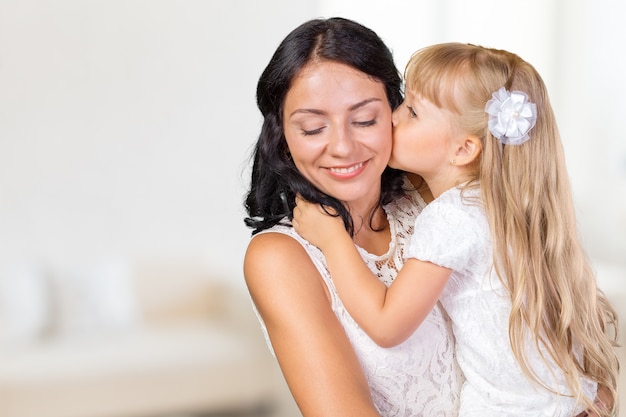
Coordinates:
(453, 232)
(419, 377)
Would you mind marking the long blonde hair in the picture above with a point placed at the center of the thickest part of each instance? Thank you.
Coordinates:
(526, 194)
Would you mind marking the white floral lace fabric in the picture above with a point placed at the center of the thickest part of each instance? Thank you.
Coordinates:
(453, 232)
(419, 377)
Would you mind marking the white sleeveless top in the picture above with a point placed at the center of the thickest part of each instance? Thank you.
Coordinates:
(419, 377)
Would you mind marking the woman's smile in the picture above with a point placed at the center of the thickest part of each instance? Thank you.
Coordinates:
(347, 171)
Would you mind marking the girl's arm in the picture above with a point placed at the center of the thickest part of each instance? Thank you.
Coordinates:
(313, 351)
(388, 315)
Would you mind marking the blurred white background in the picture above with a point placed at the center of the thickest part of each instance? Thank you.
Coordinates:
(126, 126)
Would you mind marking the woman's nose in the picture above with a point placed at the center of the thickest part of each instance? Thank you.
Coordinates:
(341, 142)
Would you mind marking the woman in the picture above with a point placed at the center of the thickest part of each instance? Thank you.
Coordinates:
(326, 97)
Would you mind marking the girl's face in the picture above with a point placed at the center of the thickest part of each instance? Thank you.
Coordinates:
(422, 138)
(337, 122)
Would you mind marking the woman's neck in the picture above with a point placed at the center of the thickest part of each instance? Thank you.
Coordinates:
(420, 185)
(371, 230)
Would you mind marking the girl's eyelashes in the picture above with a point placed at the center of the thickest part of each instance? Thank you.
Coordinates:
(411, 112)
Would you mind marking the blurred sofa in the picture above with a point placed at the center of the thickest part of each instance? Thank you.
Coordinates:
(189, 345)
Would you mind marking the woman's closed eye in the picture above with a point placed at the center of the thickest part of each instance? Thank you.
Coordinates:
(366, 123)
(312, 132)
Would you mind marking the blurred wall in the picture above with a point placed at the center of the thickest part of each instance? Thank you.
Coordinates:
(125, 126)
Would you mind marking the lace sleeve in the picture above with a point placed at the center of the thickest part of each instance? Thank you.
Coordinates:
(449, 233)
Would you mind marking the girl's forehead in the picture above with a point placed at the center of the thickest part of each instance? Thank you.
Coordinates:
(444, 92)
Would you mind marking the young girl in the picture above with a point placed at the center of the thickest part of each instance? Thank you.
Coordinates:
(498, 246)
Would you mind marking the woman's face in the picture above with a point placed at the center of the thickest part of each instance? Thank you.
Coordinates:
(337, 122)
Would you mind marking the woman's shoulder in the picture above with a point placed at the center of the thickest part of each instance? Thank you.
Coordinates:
(271, 250)
(276, 262)
(278, 242)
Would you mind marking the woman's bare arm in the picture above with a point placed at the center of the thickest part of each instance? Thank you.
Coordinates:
(313, 351)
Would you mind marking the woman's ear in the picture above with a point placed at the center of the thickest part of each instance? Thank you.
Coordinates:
(468, 150)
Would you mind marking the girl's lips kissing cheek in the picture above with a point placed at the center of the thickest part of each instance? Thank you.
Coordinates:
(349, 171)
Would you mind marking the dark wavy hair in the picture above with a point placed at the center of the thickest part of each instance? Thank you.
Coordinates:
(275, 179)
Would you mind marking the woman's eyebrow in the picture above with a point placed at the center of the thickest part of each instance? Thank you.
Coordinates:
(323, 113)
(308, 111)
(363, 103)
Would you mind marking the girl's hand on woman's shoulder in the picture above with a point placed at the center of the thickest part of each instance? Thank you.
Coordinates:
(315, 224)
